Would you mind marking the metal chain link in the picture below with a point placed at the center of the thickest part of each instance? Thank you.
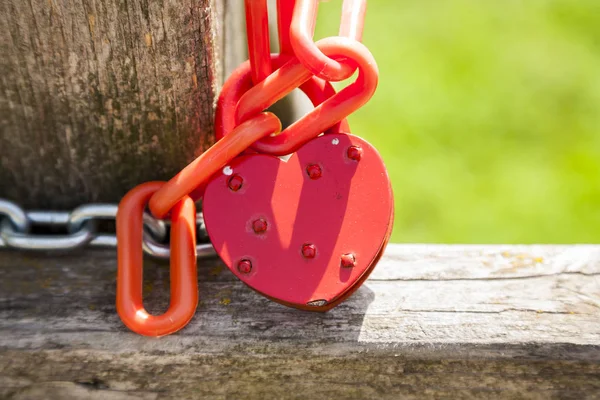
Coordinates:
(81, 224)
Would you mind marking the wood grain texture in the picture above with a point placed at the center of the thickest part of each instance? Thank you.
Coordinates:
(431, 322)
(98, 96)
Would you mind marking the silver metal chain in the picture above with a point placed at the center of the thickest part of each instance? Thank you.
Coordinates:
(81, 227)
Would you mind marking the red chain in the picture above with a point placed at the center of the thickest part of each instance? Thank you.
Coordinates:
(257, 31)
(240, 123)
(285, 13)
(291, 75)
(303, 29)
(211, 161)
(239, 83)
(184, 282)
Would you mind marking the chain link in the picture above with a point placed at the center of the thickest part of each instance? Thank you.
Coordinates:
(80, 225)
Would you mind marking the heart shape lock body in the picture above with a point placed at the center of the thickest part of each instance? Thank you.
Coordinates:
(306, 232)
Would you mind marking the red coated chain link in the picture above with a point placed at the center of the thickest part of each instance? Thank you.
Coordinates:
(184, 282)
(239, 124)
(257, 31)
(211, 161)
(285, 13)
(291, 75)
(303, 29)
(343, 55)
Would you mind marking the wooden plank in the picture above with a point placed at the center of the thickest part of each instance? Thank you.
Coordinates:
(98, 96)
(432, 321)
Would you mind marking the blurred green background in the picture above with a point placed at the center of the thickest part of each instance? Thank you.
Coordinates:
(487, 115)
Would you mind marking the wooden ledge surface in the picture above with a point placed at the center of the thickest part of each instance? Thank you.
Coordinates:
(448, 319)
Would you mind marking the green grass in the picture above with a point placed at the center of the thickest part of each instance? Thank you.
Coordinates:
(487, 115)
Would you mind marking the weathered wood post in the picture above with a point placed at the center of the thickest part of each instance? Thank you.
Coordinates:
(98, 96)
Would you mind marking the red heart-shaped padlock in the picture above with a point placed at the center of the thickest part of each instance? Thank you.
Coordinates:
(304, 232)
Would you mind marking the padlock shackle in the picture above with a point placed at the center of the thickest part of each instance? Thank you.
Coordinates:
(239, 82)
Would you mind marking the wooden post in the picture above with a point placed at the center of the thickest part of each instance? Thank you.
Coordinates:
(99, 96)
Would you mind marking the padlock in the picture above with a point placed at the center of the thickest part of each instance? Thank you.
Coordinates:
(307, 232)
(304, 232)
